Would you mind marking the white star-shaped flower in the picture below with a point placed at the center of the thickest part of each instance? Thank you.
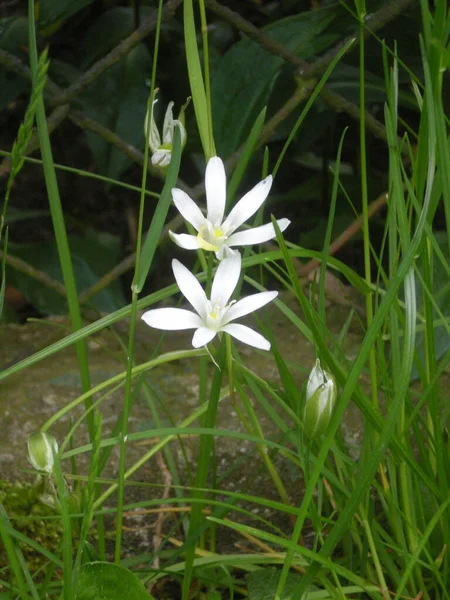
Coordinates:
(214, 232)
(212, 315)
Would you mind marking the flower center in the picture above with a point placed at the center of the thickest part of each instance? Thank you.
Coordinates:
(211, 238)
(214, 316)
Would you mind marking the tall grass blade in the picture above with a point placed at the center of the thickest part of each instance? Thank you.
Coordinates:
(196, 80)
(57, 214)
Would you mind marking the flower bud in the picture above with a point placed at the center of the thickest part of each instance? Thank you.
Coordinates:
(162, 149)
(321, 394)
(42, 448)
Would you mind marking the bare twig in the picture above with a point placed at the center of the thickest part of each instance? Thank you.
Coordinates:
(125, 265)
(304, 269)
(23, 267)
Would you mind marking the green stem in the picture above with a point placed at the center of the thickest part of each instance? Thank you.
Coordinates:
(133, 321)
(206, 446)
(365, 200)
(230, 368)
(379, 569)
(124, 434)
(253, 427)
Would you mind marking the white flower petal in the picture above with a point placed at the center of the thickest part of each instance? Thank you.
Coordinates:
(247, 335)
(315, 379)
(225, 280)
(154, 140)
(248, 204)
(168, 125)
(256, 235)
(172, 319)
(184, 240)
(203, 336)
(161, 158)
(189, 210)
(216, 190)
(190, 287)
(248, 305)
(225, 252)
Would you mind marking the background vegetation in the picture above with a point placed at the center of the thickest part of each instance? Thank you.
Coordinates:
(347, 105)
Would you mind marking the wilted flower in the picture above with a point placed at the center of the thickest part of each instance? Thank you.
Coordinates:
(214, 315)
(214, 232)
(321, 394)
(42, 448)
(162, 151)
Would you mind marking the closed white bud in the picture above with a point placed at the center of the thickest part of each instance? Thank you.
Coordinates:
(42, 448)
(321, 394)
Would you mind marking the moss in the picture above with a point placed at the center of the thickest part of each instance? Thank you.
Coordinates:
(32, 518)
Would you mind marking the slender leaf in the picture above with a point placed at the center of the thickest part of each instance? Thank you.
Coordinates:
(162, 208)
(197, 84)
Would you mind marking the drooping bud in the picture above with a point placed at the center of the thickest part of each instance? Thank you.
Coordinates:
(162, 150)
(321, 394)
(42, 448)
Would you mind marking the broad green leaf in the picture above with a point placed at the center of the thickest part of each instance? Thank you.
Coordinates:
(118, 100)
(63, 73)
(106, 581)
(50, 11)
(93, 256)
(107, 31)
(246, 75)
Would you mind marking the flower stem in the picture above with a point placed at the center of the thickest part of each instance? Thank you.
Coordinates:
(132, 331)
(209, 277)
(364, 196)
(206, 446)
(230, 368)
